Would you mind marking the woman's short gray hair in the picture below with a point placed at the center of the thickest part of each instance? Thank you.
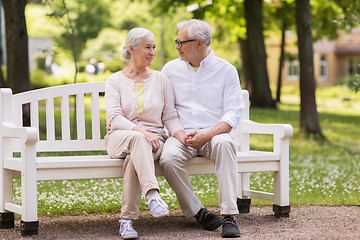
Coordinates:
(197, 29)
(134, 38)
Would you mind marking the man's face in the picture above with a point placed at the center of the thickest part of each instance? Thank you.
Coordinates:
(187, 51)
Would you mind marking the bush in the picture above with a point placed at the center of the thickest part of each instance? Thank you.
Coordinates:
(351, 81)
(81, 65)
(106, 47)
(40, 61)
(38, 78)
(113, 66)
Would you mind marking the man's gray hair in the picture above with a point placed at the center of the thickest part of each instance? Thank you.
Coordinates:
(134, 38)
(197, 29)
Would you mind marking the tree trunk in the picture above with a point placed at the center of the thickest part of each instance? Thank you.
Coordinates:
(17, 57)
(281, 61)
(245, 60)
(260, 91)
(309, 121)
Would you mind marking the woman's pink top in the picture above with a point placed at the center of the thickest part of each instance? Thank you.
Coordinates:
(159, 104)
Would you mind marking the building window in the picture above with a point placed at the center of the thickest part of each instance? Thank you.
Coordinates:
(323, 68)
(292, 70)
(354, 66)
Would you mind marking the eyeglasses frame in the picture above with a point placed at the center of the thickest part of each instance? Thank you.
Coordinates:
(180, 43)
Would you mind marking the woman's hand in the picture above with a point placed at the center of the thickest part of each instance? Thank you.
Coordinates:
(181, 136)
(154, 141)
(108, 127)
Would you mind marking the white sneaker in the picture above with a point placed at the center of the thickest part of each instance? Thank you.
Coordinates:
(158, 207)
(126, 230)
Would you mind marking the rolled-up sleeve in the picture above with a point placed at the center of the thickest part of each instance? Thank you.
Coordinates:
(233, 100)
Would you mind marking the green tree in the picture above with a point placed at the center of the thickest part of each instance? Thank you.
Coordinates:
(87, 17)
(349, 18)
(309, 120)
(108, 46)
(227, 13)
(280, 17)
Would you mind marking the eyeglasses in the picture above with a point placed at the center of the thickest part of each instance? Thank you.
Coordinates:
(180, 43)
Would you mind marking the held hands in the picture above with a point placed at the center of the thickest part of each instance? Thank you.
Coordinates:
(197, 139)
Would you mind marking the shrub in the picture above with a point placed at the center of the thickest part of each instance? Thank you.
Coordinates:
(351, 81)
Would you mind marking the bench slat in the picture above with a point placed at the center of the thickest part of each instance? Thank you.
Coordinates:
(95, 116)
(105, 160)
(259, 194)
(80, 116)
(73, 145)
(13, 208)
(34, 108)
(65, 118)
(50, 120)
(94, 167)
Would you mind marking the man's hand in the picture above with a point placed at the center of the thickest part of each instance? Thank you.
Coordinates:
(197, 139)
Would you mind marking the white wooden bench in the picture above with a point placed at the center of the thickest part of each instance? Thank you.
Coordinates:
(14, 138)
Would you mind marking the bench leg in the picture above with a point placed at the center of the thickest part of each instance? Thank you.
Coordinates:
(243, 202)
(281, 205)
(29, 219)
(6, 220)
(29, 228)
(244, 205)
(281, 211)
(6, 187)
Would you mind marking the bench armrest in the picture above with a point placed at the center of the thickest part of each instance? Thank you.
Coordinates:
(283, 131)
(28, 135)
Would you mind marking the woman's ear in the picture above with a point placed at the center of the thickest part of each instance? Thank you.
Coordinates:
(131, 48)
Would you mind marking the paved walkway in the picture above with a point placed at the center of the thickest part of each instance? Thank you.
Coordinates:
(305, 222)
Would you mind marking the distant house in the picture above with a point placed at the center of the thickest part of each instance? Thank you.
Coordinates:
(37, 46)
(332, 59)
(40, 46)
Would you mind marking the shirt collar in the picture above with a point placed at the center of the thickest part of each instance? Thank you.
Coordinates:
(206, 60)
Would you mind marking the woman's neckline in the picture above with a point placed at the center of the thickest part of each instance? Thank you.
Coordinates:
(139, 78)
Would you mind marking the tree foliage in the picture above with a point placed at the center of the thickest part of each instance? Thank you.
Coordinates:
(85, 18)
(228, 18)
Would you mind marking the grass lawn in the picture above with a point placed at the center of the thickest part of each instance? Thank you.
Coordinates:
(321, 171)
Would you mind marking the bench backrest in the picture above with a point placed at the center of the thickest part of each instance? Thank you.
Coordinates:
(89, 107)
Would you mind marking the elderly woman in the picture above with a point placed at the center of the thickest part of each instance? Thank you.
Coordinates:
(139, 102)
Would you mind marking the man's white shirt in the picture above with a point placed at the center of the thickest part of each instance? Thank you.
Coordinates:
(207, 96)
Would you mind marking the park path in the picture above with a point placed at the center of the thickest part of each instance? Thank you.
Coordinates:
(305, 222)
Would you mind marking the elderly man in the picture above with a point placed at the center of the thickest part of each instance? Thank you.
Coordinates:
(209, 105)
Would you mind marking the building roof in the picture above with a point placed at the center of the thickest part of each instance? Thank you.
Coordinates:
(345, 44)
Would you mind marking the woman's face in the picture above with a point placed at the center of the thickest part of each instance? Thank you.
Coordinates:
(145, 52)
